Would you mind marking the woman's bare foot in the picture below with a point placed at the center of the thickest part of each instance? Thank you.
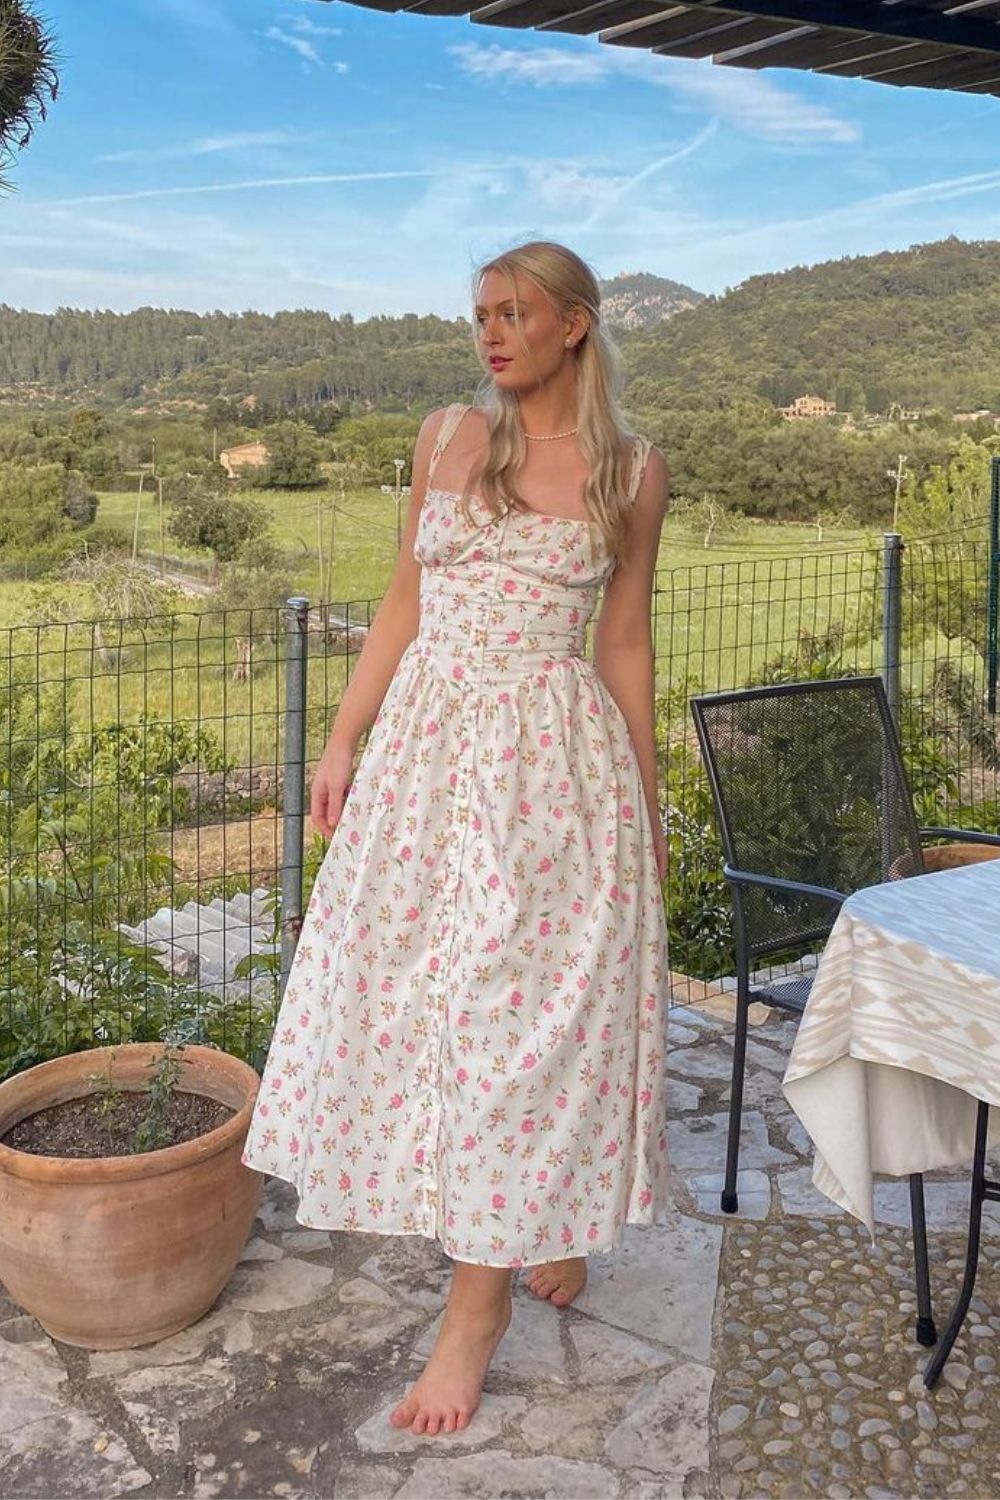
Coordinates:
(475, 1320)
(560, 1280)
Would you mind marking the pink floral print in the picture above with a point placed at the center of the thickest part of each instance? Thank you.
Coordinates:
(471, 1042)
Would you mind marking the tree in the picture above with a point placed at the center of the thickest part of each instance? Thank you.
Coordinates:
(946, 577)
(42, 509)
(709, 518)
(28, 78)
(127, 595)
(293, 452)
(219, 523)
(80, 502)
(31, 505)
(371, 445)
(252, 589)
(88, 426)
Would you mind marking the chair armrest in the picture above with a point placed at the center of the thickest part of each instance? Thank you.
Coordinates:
(961, 835)
(773, 883)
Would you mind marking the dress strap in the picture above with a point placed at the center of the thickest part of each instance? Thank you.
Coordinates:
(640, 458)
(446, 431)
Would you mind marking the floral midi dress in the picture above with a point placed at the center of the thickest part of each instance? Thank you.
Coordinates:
(471, 1041)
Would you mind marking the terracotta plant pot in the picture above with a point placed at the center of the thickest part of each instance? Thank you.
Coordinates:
(112, 1252)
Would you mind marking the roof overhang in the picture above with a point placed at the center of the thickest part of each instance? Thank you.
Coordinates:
(922, 43)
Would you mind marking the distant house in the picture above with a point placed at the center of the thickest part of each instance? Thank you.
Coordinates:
(805, 408)
(243, 456)
(983, 414)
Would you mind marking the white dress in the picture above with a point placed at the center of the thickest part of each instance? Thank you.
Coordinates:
(471, 1042)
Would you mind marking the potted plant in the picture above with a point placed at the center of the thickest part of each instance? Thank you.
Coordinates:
(130, 1233)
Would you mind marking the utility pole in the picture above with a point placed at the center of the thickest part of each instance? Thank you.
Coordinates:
(399, 462)
(135, 527)
(333, 536)
(897, 474)
(163, 550)
(319, 546)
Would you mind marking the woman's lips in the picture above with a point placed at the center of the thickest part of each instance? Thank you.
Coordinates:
(497, 363)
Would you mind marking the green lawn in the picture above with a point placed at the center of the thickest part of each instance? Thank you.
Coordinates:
(719, 614)
(363, 527)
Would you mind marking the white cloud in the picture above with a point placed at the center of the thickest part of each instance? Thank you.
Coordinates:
(542, 67)
(309, 28)
(249, 185)
(298, 44)
(746, 100)
(240, 140)
(631, 183)
(881, 209)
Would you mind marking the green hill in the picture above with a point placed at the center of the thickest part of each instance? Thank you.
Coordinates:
(915, 327)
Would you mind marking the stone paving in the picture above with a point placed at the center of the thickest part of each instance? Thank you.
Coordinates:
(770, 1354)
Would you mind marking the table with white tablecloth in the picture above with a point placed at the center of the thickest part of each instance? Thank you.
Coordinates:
(900, 1038)
(901, 1035)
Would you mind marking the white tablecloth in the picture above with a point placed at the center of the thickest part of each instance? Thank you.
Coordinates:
(901, 1033)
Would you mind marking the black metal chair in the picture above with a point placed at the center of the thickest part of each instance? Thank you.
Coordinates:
(813, 803)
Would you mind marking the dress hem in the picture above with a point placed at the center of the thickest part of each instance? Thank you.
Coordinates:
(604, 1247)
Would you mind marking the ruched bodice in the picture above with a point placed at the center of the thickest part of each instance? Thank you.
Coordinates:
(503, 598)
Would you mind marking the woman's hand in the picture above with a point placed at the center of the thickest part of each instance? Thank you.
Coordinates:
(331, 782)
(662, 852)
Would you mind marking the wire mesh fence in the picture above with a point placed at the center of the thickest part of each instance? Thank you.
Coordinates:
(155, 855)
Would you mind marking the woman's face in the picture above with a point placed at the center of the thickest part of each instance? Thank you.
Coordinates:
(543, 330)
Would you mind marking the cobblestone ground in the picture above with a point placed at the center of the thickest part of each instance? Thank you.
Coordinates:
(770, 1354)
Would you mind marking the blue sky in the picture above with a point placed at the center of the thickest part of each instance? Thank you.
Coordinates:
(289, 153)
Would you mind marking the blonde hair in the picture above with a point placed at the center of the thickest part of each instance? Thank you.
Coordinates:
(604, 439)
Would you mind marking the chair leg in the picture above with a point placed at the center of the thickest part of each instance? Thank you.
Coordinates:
(977, 1195)
(730, 1201)
(926, 1332)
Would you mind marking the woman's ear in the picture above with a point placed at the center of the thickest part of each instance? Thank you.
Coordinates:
(577, 327)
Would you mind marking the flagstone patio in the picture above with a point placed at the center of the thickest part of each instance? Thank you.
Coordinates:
(771, 1354)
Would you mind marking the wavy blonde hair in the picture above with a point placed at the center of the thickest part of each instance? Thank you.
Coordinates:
(604, 438)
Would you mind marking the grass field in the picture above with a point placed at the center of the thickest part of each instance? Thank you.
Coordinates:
(363, 529)
(719, 614)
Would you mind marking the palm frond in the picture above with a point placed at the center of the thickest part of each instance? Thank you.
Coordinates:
(29, 81)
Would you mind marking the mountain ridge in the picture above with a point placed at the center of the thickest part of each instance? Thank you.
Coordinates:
(910, 327)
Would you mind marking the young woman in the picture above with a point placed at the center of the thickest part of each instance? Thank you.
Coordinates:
(471, 1043)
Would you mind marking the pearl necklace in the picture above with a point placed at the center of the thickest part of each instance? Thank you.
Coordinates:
(549, 437)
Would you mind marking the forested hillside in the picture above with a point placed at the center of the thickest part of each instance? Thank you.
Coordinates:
(912, 327)
(287, 359)
(915, 327)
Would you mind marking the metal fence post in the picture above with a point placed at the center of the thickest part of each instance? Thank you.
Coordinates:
(892, 621)
(892, 617)
(993, 585)
(293, 795)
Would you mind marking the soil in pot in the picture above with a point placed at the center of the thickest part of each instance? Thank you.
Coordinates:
(97, 1126)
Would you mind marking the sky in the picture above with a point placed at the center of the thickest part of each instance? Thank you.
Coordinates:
(272, 154)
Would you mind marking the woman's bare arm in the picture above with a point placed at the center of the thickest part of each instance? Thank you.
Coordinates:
(623, 642)
(397, 617)
(395, 625)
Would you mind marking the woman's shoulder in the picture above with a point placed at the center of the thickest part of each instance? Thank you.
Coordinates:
(647, 464)
(446, 419)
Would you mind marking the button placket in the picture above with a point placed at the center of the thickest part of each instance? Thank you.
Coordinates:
(460, 829)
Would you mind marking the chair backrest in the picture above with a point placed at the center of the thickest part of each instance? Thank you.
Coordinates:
(809, 785)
